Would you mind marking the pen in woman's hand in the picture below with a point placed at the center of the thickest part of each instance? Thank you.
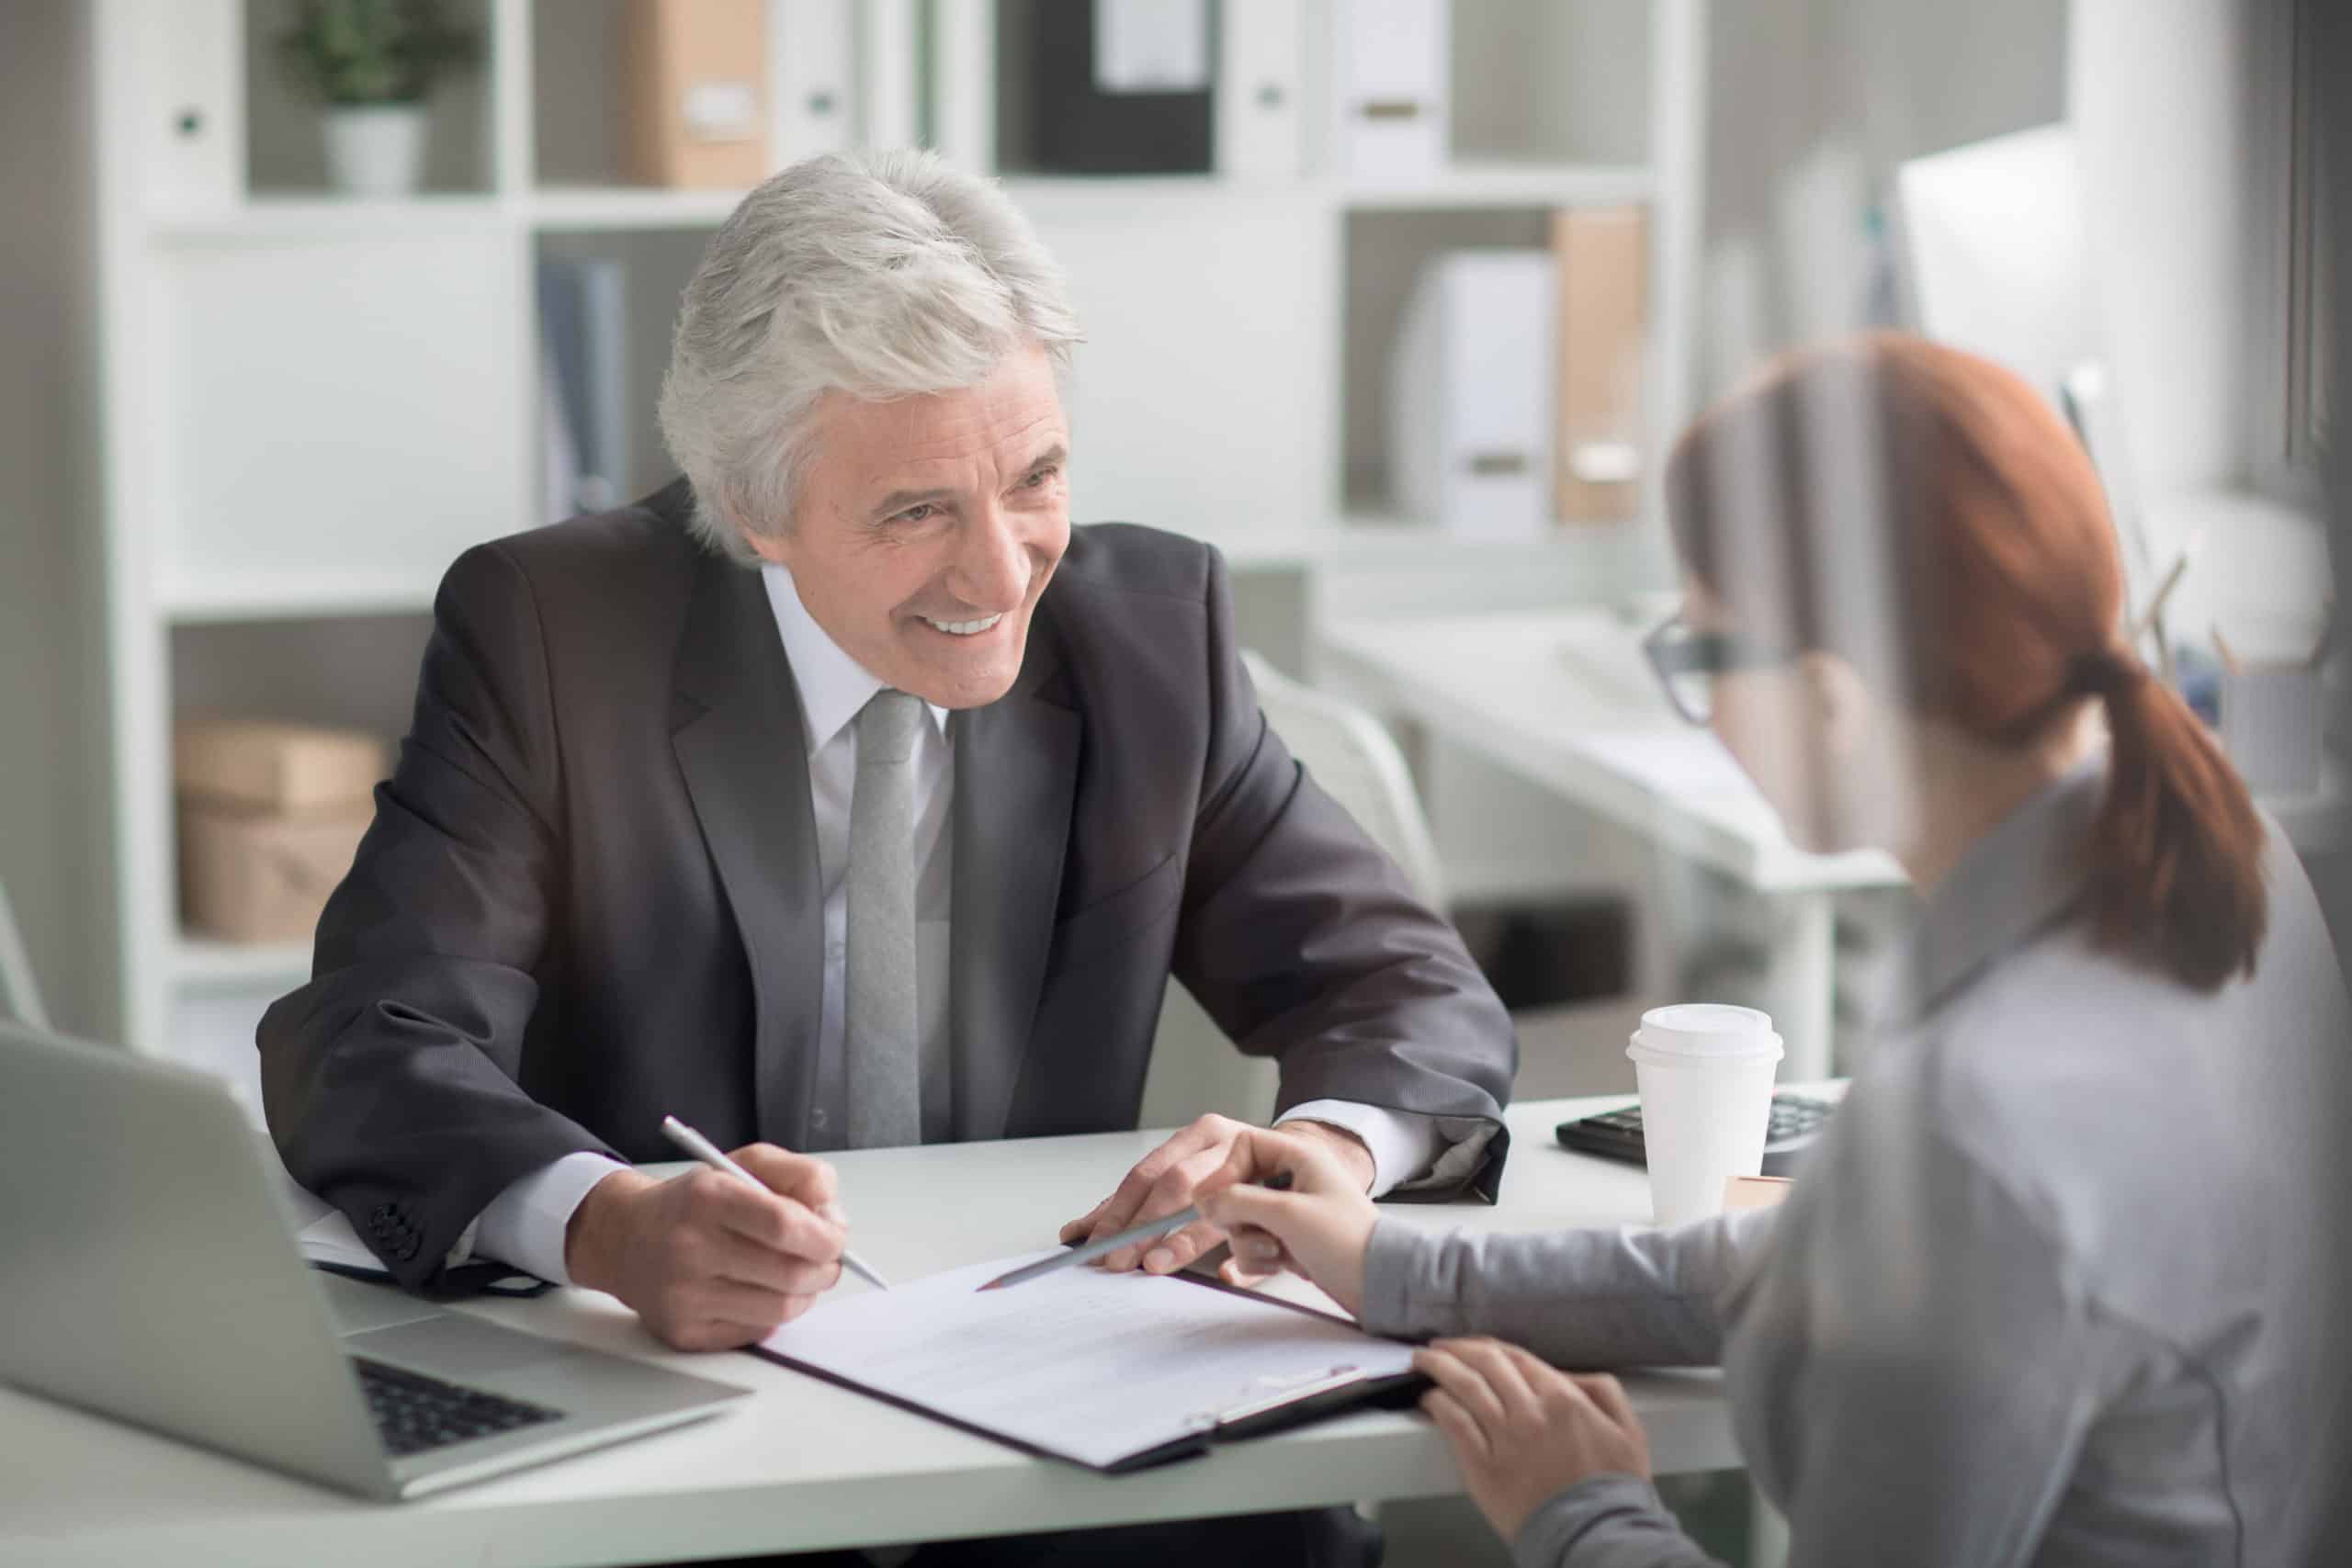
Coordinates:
(1150, 1230)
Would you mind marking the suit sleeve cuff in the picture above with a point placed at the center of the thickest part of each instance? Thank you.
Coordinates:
(525, 1226)
(1403, 1145)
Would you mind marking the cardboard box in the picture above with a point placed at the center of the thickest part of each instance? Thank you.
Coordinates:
(263, 876)
(264, 765)
(694, 91)
(1604, 288)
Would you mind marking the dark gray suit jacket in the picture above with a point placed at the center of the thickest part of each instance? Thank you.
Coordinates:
(590, 895)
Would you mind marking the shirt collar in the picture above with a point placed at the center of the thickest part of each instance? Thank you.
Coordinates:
(2029, 870)
(834, 686)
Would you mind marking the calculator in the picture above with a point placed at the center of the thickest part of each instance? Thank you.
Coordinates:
(1796, 1120)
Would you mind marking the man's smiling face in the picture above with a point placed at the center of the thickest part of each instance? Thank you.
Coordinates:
(928, 527)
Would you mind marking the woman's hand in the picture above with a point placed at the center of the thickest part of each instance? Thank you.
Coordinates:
(1523, 1432)
(1168, 1179)
(1319, 1228)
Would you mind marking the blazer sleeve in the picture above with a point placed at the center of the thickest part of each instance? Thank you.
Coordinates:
(1629, 1297)
(1302, 939)
(390, 1080)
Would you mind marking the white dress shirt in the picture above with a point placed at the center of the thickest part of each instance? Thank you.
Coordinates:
(526, 1225)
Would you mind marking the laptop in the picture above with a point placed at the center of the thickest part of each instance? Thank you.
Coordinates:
(152, 1278)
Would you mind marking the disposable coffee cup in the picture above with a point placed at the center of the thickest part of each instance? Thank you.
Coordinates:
(1705, 1073)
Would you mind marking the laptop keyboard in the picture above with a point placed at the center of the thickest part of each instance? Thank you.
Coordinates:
(414, 1413)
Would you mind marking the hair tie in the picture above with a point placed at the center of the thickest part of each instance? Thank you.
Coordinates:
(2108, 674)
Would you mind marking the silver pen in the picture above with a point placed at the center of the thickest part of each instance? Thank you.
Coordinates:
(703, 1149)
(1150, 1230)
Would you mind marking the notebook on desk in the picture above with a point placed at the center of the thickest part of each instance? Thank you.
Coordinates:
(1113, 1371)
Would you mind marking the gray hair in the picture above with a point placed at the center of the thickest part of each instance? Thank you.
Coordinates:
(881, 275)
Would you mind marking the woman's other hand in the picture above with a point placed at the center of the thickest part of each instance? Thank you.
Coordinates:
(1522, 1432)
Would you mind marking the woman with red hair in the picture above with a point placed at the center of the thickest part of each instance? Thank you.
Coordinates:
(2051, 1289)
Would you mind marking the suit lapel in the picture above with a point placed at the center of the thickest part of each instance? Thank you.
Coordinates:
(742, 747)
(1016, 775)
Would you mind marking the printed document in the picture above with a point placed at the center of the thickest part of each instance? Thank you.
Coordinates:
(1093, 1366)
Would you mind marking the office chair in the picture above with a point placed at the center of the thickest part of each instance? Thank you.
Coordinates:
(1356, 761)
(1194, 1069)
(19, 997)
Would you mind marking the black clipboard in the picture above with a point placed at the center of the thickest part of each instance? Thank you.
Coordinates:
(1277, 1412)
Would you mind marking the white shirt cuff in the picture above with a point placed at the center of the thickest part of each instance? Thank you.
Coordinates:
(525, 1226)
(1403, 1146)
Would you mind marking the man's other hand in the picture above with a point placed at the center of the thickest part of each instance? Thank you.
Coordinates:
(709, 1263)
(1162, 1182)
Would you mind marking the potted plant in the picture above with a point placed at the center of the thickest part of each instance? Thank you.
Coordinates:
(373, 63)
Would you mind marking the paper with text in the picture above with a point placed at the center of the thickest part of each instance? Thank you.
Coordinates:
(1094, 1366)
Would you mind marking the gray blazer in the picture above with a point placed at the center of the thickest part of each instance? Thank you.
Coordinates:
(2053, 1288)
(590, 895)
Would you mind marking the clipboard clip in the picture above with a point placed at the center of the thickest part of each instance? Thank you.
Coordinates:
(1288, 1390)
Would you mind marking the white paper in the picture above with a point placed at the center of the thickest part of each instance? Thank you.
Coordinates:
(1094, 1366)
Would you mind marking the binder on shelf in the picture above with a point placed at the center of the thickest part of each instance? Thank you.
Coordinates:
(1393, 60)
(1470, 394)
(1604, 264)
(558, 452)
(693, 92)
(812, 78)
(887, 52)
(963, 82)
(192, 69)
(1118, 87)
(1260, 127)
(583, 323)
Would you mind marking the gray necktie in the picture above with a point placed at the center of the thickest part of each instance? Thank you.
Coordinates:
(880, 1046)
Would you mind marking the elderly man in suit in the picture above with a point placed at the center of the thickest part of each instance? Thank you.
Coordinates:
(842, 793)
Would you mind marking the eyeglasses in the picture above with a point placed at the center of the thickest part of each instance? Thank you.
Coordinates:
(1688, 663)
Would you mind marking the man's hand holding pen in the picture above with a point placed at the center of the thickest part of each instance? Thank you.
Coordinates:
(708, 1261)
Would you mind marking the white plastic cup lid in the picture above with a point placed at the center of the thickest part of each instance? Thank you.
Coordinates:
(1707, 1029)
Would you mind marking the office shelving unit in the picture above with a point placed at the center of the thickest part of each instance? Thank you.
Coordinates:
(310, 405)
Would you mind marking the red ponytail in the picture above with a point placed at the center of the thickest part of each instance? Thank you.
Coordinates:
(2177, 855)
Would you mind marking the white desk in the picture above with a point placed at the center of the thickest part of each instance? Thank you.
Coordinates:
(1565, 700)
(804, 1465)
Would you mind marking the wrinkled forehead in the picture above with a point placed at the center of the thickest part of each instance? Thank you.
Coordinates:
(1010, 416)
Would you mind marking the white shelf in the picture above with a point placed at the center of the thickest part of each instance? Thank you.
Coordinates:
(562, 208)
(575, 208)
(1380, 538)
(1412, 538)
(1483, 185)
(328, 217)
(1504, 185)
(202, 965)
(195, 602)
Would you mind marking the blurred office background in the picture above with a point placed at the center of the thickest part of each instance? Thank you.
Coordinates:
(1394, 300)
